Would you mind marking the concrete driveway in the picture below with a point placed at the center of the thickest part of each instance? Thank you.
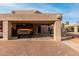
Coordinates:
(34, 48)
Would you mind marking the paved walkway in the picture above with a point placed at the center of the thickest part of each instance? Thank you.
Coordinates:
(72, 45)
(35, 48)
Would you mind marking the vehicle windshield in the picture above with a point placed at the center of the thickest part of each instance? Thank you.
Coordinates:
(24, 26)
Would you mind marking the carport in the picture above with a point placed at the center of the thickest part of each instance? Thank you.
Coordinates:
(34, 17)
(39, 29)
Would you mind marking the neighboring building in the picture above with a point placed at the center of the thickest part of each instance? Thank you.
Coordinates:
(72, 28)
(40, 22)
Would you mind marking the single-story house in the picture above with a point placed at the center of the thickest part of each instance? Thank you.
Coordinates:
(36, 18)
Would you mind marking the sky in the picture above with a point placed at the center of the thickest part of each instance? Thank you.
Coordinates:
(69, 11)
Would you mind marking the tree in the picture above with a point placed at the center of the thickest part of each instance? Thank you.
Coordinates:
(62, 25)
(63, 29)
(67, 22)
(78, 22)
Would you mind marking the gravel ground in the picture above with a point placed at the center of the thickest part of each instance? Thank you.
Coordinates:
(35, 48)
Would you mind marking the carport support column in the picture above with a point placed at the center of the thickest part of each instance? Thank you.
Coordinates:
(5, 30)
(57, 30)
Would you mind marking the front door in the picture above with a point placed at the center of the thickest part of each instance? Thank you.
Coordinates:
(39, 29)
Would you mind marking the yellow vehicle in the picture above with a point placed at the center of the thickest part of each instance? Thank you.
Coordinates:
(25, 30)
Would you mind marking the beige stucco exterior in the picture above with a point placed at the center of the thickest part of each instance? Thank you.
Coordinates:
(74, 26)
(34, 17)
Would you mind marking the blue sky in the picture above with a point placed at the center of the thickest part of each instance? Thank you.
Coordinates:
(70, 11)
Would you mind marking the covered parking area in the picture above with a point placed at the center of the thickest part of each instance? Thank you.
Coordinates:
(35, 18)
(39, 29)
